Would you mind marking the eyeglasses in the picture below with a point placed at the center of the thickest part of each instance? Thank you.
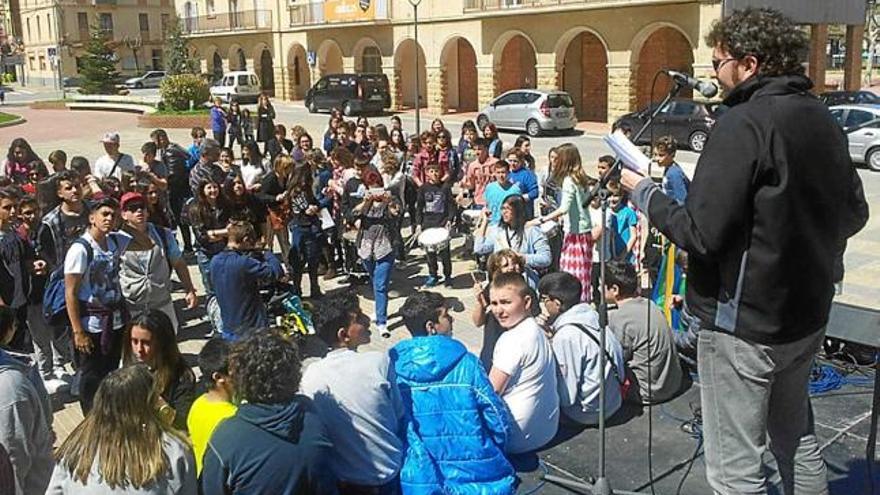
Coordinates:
(718, 63)
(134, 208)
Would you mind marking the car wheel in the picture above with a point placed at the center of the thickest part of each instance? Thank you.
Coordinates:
(533, 129)
(139, 85)
(482, 121)
(873, 159)
(698, 140)
(312, 107)
(346, 109)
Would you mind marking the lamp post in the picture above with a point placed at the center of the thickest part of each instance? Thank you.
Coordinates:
(415, 6)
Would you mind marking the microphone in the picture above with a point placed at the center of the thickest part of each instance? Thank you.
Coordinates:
(707, 89)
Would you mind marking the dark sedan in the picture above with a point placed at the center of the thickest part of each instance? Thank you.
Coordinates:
(832, 98)
(688, 121)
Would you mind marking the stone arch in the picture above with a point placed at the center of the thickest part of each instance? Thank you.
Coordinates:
(367, 56)
(329, 58)
(237, 58)
(659, 46)
(582, 68)
(299, 73)
(458, 65)
(515, 59)
(264, 67)
(405, 72)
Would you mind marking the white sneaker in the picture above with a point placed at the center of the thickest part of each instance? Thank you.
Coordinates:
(62, 374)
(383, 331)
(55, 385)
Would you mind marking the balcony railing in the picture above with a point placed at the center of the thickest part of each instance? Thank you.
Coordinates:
(324, 12)
(472, 5)
(228, 21)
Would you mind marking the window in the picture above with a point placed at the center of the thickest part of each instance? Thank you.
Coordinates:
(144, 23)
(42, 62)
(39, 30)
(210, 7)
(157, 59)
(838, 115)
(31, 61)
(530, 97)
(105, 22)
(49, 26)
(165, 19)
(29, 37)
(254, 81)
(230, 81)
(509, 99)
(82, 24)
(857, 118)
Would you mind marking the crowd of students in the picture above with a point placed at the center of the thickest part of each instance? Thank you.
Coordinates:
(88, 253)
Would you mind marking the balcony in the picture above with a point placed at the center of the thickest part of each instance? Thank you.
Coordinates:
(488, 5)
(336, 11)
(246, 20)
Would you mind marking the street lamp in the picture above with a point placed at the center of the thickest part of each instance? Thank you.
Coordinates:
(415, 6)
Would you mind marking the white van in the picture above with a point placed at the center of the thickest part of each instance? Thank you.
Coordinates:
(241, 86)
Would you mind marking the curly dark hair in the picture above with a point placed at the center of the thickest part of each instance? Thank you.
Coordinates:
(778, 44)
(265, 368)
(333, 312)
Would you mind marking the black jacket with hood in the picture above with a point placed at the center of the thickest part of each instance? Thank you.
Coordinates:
(774, 197)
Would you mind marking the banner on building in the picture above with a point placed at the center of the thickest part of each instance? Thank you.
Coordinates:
(349, 10)
(809, 11)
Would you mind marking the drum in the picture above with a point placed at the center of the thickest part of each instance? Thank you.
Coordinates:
(465, 199)
(434, 240)
(550, 229)
(350, 237)
(472, 217)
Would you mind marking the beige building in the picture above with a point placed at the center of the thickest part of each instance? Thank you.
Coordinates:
(137, 26)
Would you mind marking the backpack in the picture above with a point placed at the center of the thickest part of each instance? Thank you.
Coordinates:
(54, 304)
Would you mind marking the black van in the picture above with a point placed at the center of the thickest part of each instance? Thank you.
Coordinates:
(352, 93)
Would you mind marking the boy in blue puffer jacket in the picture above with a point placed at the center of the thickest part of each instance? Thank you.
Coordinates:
(438, 379)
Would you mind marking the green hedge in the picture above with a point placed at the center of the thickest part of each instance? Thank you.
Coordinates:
(177, 91)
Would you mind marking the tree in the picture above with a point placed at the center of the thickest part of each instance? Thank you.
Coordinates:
(98, 66)
(177, 51)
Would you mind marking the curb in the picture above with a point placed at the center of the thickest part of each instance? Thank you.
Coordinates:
(19, 120)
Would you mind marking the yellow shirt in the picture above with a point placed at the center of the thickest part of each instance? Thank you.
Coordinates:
(204, 416)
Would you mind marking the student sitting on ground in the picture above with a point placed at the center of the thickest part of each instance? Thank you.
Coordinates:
(523, 371)
(629, 324)
(356, 396)
(457, 427)
(238, 272)
(575, 339)
(215, 404)
(276, 443)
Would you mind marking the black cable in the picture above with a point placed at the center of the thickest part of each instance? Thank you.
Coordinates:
(687, 472)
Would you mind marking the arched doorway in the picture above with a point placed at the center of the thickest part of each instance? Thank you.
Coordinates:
(460, 61)
(299, 78)
(517, 68)
(267, 72)
(371, 60)
(584, 76)
(217, 66)
(242, 60)
(405, 66)
(329, 58)
(665, 48)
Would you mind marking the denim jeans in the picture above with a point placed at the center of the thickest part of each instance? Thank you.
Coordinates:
(380, 276)
(752, 393)
(204, 262)
(306, 243)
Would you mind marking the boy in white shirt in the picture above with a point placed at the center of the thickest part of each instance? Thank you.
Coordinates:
(523, 369)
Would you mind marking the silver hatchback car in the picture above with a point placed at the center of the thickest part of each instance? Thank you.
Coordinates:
(861, 123)
(531, 110)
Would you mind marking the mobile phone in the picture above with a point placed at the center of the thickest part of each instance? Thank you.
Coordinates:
(479, 277)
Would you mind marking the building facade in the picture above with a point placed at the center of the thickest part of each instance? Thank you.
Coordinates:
(137, 27)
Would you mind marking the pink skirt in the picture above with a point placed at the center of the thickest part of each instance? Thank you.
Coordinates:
(577, 259)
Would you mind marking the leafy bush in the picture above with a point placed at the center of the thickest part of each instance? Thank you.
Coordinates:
(178, 90)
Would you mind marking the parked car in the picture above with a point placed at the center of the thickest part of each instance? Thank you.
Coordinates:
(352, 93)
(688, 121)
(150, 79)
(240, 86)
(532, 110)
(832, 98)
(861, 123)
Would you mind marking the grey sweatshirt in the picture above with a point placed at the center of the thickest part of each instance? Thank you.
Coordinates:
(577, 364)
(180, 479)
(25, 423)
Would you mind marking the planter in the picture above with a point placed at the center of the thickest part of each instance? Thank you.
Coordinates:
(49, 105)
(172, 121)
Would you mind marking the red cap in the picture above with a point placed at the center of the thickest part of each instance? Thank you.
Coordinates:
(132, 197)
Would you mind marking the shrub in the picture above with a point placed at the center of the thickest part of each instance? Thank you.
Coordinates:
(178, 90)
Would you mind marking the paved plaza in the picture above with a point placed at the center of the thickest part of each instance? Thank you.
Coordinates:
(842, 431)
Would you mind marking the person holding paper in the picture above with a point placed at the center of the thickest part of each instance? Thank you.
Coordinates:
(577, 243)
(774, 198)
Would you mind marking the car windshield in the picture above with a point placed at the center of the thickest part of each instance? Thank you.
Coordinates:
(560, 101)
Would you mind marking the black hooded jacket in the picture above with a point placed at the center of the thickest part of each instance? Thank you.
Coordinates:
(774, 197)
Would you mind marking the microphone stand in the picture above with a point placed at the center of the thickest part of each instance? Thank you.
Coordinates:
(601, 485)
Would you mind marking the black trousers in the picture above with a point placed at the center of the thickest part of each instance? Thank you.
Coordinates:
(94, 367)
(446, 257)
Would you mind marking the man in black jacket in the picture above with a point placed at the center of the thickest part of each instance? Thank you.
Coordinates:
(774, 198)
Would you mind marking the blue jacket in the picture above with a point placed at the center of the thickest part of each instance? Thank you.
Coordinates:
(456, 426)
(278, 449)
(236, 278)
(676, 183)
(528, 184)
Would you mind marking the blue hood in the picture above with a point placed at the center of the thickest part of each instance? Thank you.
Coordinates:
(281, 420)
(426, 359)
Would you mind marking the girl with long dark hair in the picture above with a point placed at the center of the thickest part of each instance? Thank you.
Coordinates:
(306, 237)
(209, 215)
(244, 205)
(19, 156)
(490, 134)
(253, 167)
(514, 233)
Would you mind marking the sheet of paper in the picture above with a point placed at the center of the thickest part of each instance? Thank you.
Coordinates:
(631, 157)
(326, 219)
